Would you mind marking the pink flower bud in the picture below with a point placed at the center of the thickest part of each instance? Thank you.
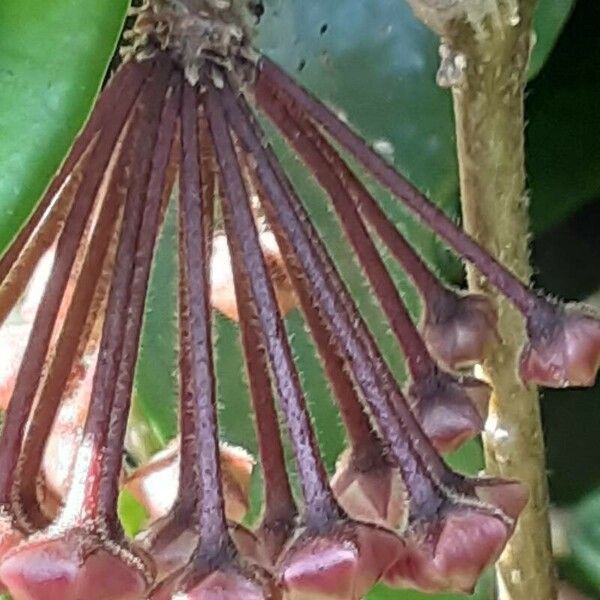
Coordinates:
(171, 541)
(509, 496)
(343, 564)
(449, 551)
(64, 439)
(155, 484)
(230, 581)
(461, 330)
(451, 554)
(10, 536)
(13, 341)
(374, 495)
(451, 410)
(563, 349)
(73, 565)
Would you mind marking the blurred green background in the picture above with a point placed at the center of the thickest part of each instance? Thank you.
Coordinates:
(376, 63)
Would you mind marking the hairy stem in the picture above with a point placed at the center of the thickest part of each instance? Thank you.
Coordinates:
(328, 169)
(144, 253)
(415, 455)
(490, 124)
(361, 436)
(68, 346)
(199, 400)
(282, 86)
(31, 368)
(320, 506)
(81, 501)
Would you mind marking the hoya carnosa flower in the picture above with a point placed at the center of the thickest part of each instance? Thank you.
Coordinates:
(215, 563)
(183, 107)
(321, 516)
(342, 563)
(371, 488)
(396, 423)
(69, 566)
(451, 409)
(89, 511)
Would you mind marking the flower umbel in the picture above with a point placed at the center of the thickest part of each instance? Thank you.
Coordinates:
(183, 108)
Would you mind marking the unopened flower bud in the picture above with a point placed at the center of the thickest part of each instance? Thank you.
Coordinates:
(76, 564)
(343, 564)
(374, 495)
(451, 410)
(461, 329)
(563, 349)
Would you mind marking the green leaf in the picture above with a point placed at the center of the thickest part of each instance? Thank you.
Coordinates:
(563, 126)
(132, 514)
(482, 592)
(548, 21)
(156, 381)
(377, 63)
(53, 56)
(585, 539)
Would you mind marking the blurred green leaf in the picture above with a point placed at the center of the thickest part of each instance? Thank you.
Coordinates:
(585, 539)
(548, 21)
(482, 592)
(132, 514)
(53, 56)
(563, 129)
(377, 64)
(156, 380)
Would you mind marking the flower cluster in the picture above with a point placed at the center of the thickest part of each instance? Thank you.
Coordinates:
(181, 112)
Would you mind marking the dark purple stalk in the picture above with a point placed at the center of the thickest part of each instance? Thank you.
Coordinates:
(15, 283)
(30, 372)
(281, 85)
(188, 485)
(202, 185)
(149, 231)
(184, 514)
(325, 164)
(199, 440)
(279, 508)
(361, 436)
(321, 508)
(422, 468)
(88, 465)
(431, 387)
(431, 289)
(72, 333)
(279, 505)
